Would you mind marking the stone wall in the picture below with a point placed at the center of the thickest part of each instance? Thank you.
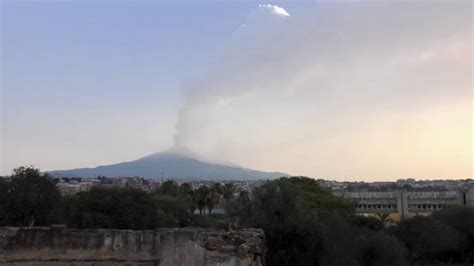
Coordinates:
(60, 246)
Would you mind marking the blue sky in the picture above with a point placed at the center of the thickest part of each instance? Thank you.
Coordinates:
(86, 83)
(67, 63)
(110, 53)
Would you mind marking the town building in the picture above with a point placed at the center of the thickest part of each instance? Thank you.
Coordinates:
(407, 203)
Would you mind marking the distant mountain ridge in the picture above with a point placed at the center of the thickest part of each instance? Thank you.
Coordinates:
(173, 166)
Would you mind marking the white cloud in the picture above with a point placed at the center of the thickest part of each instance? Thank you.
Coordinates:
(280, 11)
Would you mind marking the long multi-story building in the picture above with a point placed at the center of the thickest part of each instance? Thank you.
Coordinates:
(407, 203)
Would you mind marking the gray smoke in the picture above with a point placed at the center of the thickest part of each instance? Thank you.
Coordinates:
(324, 71)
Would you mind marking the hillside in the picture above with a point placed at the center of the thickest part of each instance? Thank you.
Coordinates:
(174, 166)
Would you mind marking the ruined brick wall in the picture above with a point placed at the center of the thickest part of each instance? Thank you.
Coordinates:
(60, 246)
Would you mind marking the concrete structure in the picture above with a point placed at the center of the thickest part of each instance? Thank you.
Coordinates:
(470, 197)
(408, 203)
(71, 187)
(74, 187)
(383, 202)
(136, 182)
(60, 246)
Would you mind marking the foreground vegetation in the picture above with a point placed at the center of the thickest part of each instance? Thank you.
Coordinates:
(304, 224)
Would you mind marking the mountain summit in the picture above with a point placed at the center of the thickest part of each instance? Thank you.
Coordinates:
(172, 166)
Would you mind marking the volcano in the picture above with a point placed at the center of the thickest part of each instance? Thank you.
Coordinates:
(170, 166)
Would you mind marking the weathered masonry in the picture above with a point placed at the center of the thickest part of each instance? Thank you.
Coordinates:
(408, 202)
(60, 246)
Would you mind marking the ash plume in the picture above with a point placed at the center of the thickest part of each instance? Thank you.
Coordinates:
(334, 83)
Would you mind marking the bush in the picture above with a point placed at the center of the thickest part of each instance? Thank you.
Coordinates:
(461, 218)
(27, 198)
(307, 225)
(117, 208)
(428, 240)
(176, 209)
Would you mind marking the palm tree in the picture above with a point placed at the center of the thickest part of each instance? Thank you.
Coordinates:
(190, 196)
(184, 189)
(213, 197)
(169, 188)
(384, 218)
(227, 193)
(202, 195)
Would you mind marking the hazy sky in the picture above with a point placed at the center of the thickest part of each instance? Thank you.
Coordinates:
(347, 91)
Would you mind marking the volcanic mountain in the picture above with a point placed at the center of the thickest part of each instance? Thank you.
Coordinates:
(171, 166)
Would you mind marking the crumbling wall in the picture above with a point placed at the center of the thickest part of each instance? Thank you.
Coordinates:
(60, 246)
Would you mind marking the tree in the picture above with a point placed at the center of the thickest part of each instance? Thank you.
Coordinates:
(169, 188)
(202, 195)
(313, 196)
(288, 209)
(213, 197)
(461, 218)
(377, 248)
(428, 240)
(216, 187)
(275, 207)
(175, 211)
(29, 199)
(190, 196)
(184, 189)
(227, 193)
(118, 208)
(371, 223)
(305, 224)
(4, 200)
